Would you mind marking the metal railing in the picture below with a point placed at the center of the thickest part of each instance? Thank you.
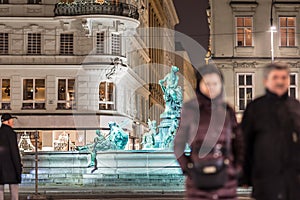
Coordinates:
(93, 8)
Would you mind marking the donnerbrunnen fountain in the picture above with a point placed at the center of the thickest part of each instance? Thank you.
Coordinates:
(105, 162)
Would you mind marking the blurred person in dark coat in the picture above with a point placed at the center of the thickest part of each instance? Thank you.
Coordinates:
(195, 122)
(10, 161)
(271, 127)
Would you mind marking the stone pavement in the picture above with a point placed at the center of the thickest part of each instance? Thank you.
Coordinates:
(63, 192)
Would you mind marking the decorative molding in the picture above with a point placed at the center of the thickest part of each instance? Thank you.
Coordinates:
(34, 10)
(243, 6)
(294, 65)
(244, 65)
(4, 10)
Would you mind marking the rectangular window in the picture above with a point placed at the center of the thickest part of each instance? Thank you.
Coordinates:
(34, 1)
(287, 31)
(66, 94)
(293, 89)
(3, 43)
(66, 44)
(244, 26)
(106, 96)
(34, 94)
(5, 94)
(100, 48)
(245, 85)
(3, 1)
(34, 43)
(116, 44)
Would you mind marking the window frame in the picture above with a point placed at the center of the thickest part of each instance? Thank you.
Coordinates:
(287, 31)
(107, 103)
(1, 100)
(33, 101)
(66, 50)
(238, 86)
(34, 1)
(71, 102)
(103, 43)
(112, 43)
(37, 46)
(5, 44)
(294, 86)
(244, 32)
(4, 1)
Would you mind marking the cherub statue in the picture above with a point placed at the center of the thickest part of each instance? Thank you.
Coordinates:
(148, 141)
(169, 137)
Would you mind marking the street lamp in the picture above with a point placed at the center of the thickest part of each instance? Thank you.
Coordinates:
(272, 30)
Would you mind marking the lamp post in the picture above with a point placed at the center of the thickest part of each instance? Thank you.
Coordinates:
(272, 30)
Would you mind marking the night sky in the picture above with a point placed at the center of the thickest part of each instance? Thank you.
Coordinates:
(193, 19)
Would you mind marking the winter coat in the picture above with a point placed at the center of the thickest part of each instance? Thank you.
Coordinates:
(196, 118)
(271, 127)
(10, 161)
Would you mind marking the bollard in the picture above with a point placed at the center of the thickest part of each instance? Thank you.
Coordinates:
(36, 195)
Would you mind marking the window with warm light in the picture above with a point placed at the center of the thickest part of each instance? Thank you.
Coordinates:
(245, 87)
(34, 94)
(106, 96)
(34, 43)
(3, 43)
(66, 94)
(293, 89)
(287, 31)
(244, 27)
(5, 94)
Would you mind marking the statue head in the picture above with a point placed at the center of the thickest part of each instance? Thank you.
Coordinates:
(98, 132)
(154, 123)
(175, 69)
(111, 124)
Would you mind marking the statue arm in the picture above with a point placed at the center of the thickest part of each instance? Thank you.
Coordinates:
(163, 80)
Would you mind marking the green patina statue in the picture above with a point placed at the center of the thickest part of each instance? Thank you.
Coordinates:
(148, 141)
(117, 139)
(172, 93)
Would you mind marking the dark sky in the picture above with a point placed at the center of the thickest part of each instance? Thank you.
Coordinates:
(193, 19)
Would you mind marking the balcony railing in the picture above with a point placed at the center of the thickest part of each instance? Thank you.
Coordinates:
(94, 8)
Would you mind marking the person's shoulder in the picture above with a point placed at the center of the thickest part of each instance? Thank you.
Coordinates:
(191, 104)
(293, 102)
(257, 101)
(5, 128)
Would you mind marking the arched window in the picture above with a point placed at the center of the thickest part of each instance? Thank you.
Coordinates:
(106, 96)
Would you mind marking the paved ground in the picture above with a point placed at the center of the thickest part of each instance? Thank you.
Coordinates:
(59, 192)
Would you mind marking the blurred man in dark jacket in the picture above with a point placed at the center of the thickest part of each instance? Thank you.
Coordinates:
(271, 127)
(10, 161)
